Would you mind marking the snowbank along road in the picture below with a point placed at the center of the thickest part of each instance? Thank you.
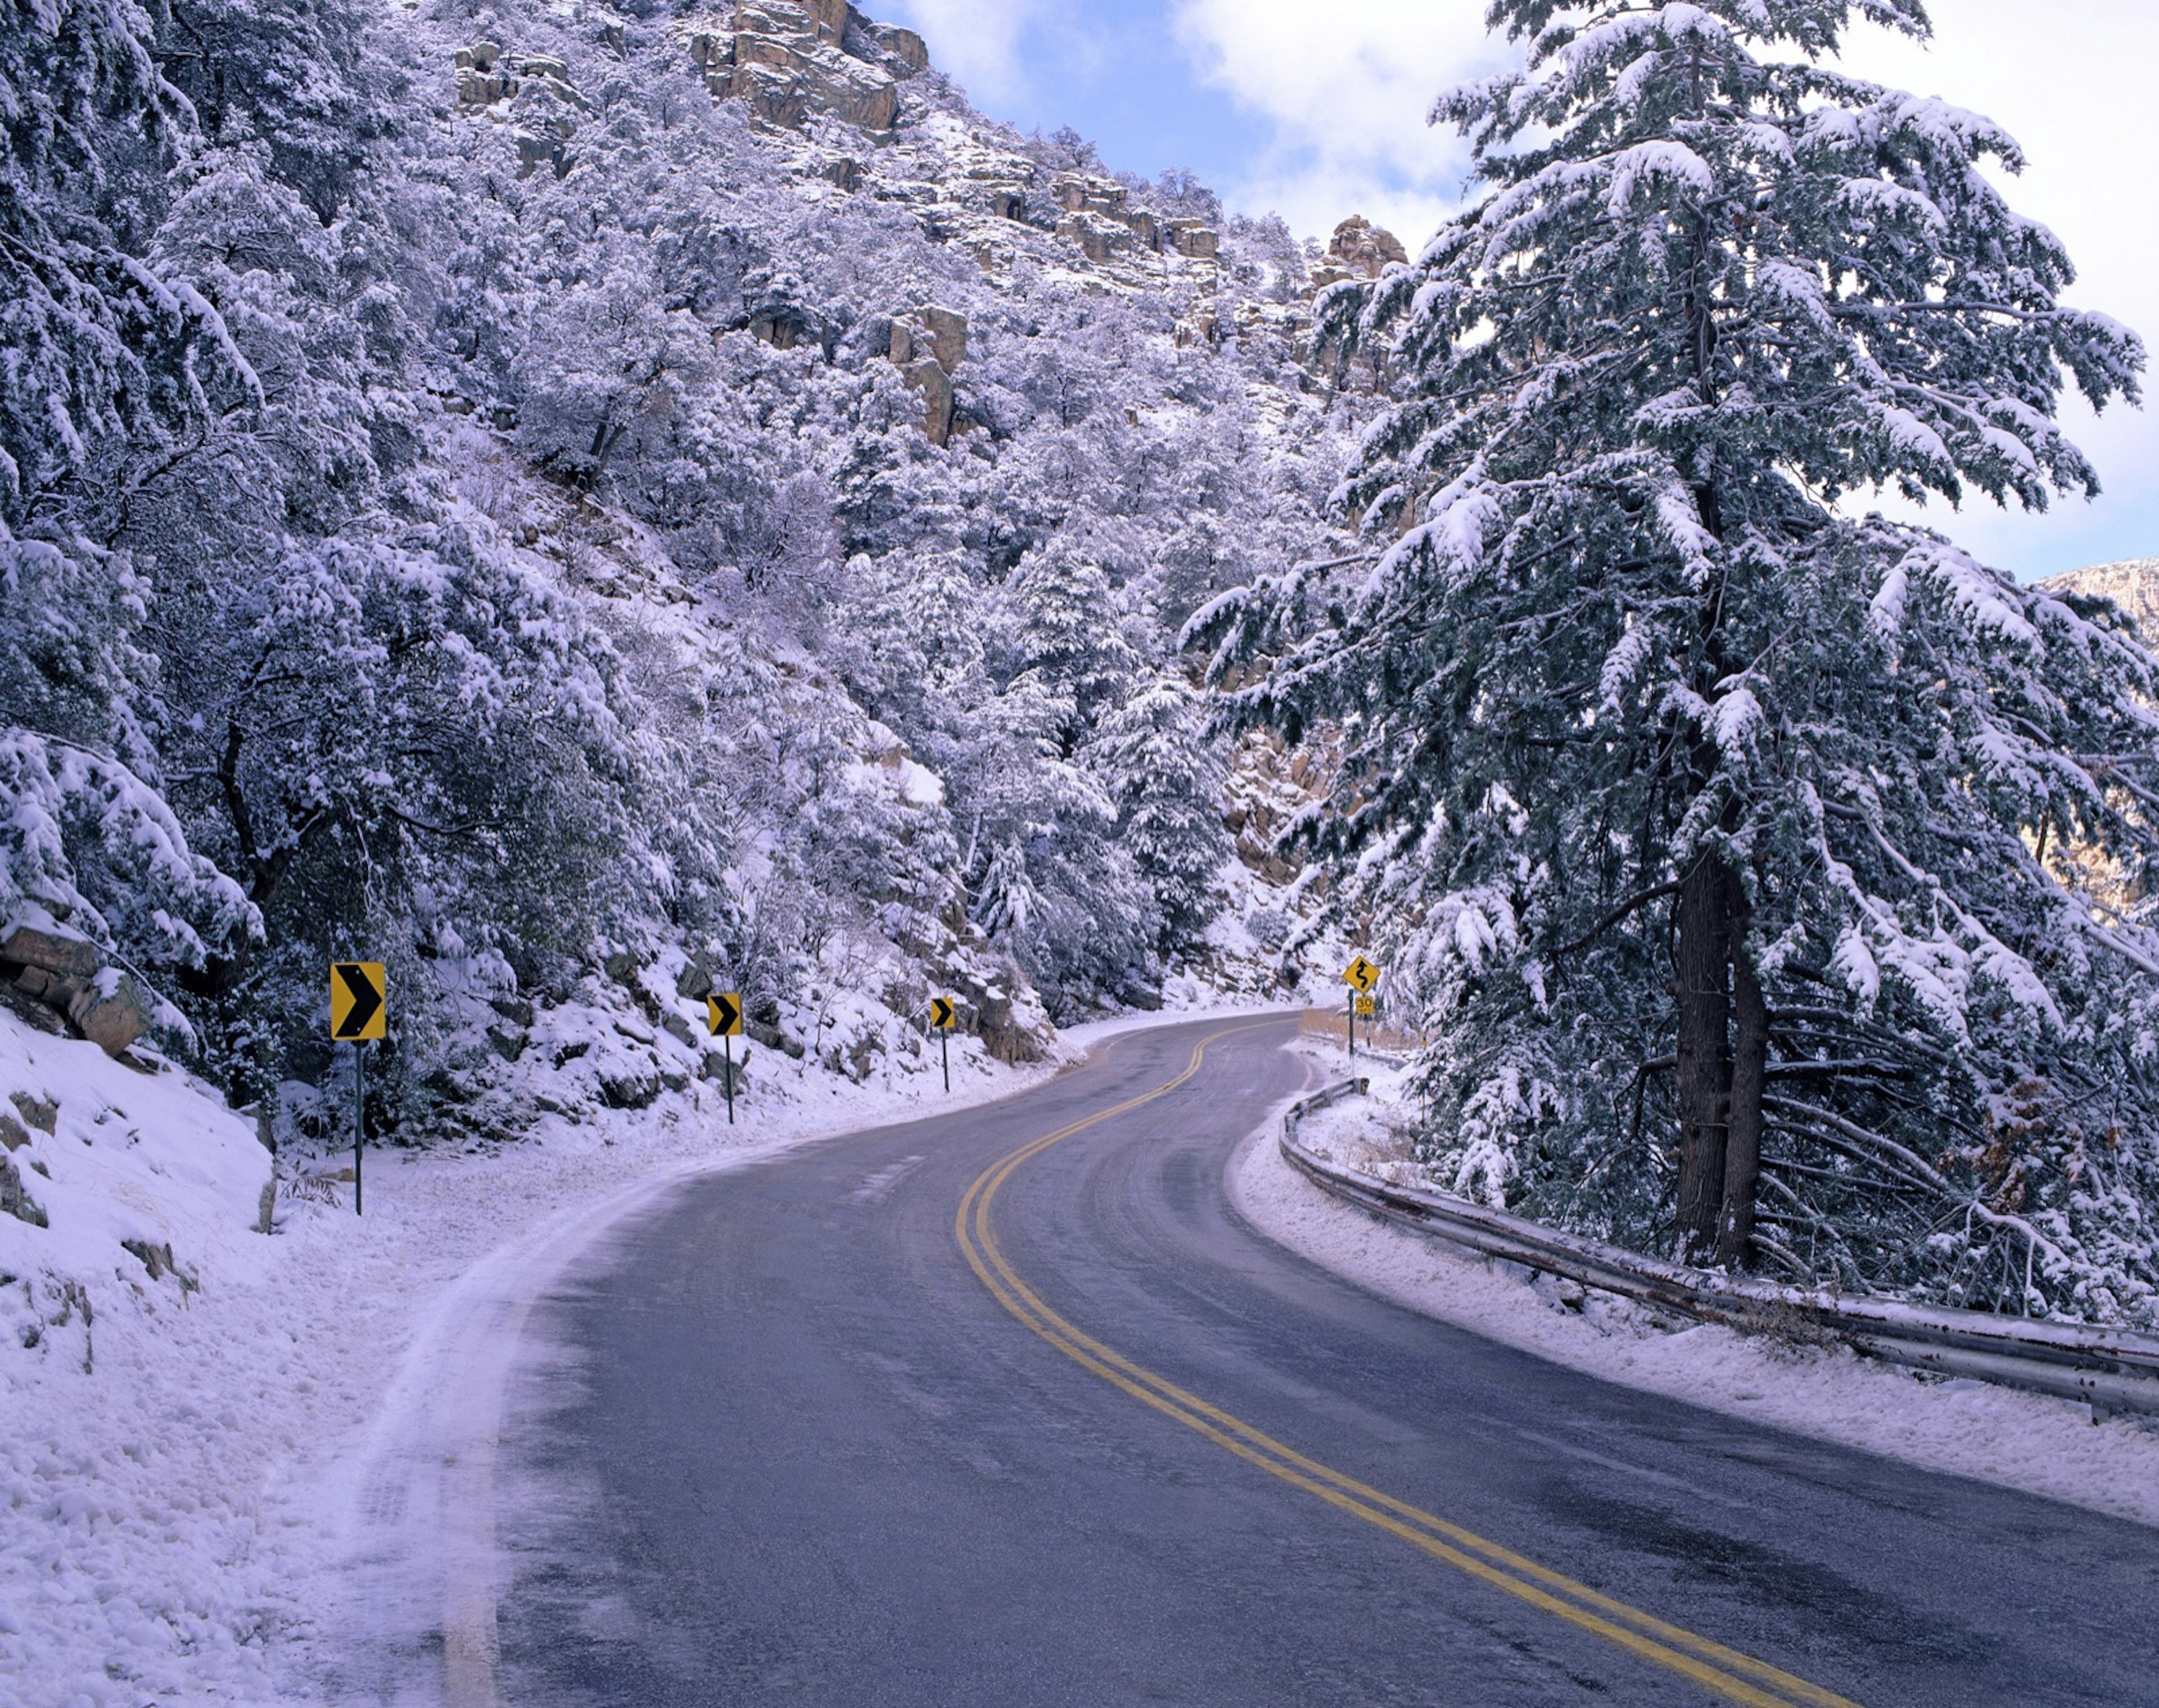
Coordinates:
(1007, 1407)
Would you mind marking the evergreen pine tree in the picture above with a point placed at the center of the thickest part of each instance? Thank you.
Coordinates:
(1702, 804)
(1153, 756)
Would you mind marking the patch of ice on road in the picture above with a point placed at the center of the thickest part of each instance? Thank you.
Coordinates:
(2027, 1441)
(878, 1186)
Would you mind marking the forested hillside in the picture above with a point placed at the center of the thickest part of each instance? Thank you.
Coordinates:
(586, 506)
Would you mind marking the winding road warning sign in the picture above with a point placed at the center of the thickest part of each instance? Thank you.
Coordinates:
(360, 1002)
(1362, 974)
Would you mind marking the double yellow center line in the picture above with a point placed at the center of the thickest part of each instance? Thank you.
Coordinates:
(1724, 1672)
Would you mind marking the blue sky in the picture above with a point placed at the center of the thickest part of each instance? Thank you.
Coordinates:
(1315, 109)
(1115, 71)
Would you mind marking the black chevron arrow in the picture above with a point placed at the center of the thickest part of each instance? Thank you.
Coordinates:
(725, 1015)
(940, 1011)
(366, 1000)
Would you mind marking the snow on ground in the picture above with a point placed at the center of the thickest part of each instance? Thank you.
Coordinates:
(182, 1514)
(2028, 1441)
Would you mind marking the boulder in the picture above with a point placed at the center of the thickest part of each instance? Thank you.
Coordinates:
(545, 66)
(781, 334)
(628, 1084)
(771, 1037)
(30, 1011)
(111, 1012)
(39, 1114)
(14, 1201)
(535, 152)
(481, 89)
(1079, 192)
(53, 948)
(717, 1071)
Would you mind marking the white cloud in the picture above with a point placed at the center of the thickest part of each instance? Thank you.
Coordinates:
(1347, 93)
(1345, 89)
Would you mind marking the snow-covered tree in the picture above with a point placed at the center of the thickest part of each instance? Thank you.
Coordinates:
(1153, 756)
(1733, 835)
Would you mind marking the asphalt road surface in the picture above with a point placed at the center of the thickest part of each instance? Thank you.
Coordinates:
(936, 1415)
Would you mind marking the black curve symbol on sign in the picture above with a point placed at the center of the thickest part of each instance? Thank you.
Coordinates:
(940, 1012)
(367, 1001)
(725, 1014)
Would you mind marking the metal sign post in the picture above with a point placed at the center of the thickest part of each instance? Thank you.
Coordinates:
(358, 1121)
(1362, 977)
(943, 1016)
(724, 1010)
(359, 1014)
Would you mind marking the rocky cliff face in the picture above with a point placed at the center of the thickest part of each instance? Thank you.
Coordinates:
(856, 106)
(790, 60)
(2133, 584)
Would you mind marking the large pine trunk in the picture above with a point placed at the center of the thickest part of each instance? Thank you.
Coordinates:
(1750, 1073)
(1702, 971)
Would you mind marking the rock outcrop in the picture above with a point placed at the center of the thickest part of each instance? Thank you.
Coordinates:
(1099, 218)
(786, 59)
(1359, 250)
(928, 347)
(548, 102)
(50, 973)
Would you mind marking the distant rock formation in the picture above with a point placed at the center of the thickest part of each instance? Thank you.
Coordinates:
(1359, 250)
(927, 348)
(788, 59)
(1097, 217)
(2133, 584)
(487, 76)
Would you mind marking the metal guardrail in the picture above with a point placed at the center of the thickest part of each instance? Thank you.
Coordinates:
(2111, 1369)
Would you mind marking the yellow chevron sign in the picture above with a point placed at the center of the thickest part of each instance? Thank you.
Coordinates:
(360, 1002)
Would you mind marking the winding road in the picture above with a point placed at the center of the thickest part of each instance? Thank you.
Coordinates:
(1008, 1408)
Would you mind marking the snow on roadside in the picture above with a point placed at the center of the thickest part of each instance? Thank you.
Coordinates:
(2027, 1441)
(174, 1520)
